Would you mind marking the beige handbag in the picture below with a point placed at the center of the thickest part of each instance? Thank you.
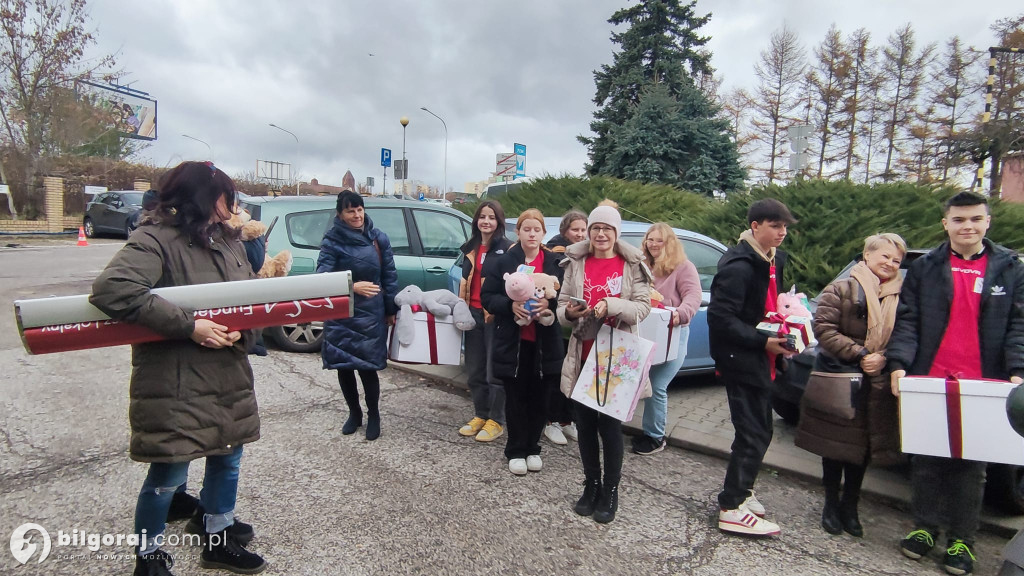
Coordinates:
(833, 393)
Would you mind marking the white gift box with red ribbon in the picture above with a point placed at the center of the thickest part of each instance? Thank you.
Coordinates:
(657, 327)
(795, 328)
(963, 419)
(435, 341)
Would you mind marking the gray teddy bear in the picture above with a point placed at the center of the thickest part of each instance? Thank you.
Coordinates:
(440, 303)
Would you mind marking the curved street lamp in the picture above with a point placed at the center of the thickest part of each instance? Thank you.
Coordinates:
(272, 125)
(208, 147)
(445, 191)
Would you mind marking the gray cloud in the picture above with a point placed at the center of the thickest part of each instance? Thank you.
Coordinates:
(497, 73)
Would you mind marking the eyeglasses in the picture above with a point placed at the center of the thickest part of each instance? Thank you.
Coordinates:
(602, 229)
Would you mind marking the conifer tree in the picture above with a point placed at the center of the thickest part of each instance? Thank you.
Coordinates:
(827, 80)
(904, 68)
(661, 45)
(677, 141)
(780, 74)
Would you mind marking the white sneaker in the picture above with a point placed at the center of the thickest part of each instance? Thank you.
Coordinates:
(569, 431)
(534, 463)
(754, 505)
(743, 521)
(553, 432)
(518, 466)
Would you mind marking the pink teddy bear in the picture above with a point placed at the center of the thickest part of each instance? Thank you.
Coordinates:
(520, 287)
(794, 304)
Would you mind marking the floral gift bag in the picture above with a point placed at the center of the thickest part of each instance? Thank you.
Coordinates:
(614, 373)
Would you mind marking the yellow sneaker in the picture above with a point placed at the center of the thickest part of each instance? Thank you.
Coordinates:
(491, 431)
(472, 427)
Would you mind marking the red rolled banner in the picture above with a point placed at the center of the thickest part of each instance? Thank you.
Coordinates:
(103, 333)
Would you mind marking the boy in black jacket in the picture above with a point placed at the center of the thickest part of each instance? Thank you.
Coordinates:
(746, 286)
(961, 313)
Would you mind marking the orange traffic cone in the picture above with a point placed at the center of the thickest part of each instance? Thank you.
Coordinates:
(81, 237)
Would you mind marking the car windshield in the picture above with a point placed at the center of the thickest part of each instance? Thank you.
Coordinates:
(133, 198)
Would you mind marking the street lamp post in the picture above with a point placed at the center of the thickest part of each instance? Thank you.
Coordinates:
(405, 165)
(208, 147)
(272, 125)
(445, 191)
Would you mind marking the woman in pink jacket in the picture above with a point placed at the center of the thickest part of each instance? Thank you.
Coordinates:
(675, 277)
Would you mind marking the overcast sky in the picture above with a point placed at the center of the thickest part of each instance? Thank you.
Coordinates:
(340, 75)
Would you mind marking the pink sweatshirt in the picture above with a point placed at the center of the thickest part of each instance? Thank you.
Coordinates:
(681, 290)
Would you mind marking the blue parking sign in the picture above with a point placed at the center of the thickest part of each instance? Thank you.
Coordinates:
(385, 157)
(520, 151)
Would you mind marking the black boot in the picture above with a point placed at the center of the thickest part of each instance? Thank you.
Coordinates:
(851, 495)
(239, 530)
(224, 552)
(607, 504)
(830, 521)
(355, 420)
(183, 505)
(156, 563)
(373, 427)
(591, 492)
(848, 516)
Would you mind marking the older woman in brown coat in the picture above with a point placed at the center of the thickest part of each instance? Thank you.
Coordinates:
(853, 322)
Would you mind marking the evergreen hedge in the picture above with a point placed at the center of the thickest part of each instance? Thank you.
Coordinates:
(834, 216)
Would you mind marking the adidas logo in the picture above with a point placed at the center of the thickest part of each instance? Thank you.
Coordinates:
(998, 291)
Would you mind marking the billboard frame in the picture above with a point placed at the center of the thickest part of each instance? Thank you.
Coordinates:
(139, 97)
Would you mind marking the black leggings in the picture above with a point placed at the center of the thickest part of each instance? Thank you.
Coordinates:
(595, 431)
(371, 389)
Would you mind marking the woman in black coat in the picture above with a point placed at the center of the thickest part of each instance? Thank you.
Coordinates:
(359, 343)
(528, 359)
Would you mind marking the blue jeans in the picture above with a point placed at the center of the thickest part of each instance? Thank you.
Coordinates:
(656, 406)
(220, 486)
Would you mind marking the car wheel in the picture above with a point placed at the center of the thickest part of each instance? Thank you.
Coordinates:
(90, 228)
(128, 229)
(297, 337)
(787, 410)
(1003, 489)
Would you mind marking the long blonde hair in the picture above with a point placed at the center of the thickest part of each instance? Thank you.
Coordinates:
(672, 252)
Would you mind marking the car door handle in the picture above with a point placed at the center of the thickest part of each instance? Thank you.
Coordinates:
(436, 270)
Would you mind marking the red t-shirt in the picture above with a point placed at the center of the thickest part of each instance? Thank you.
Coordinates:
(478, 272)
(529, 332)
(960, 350)
(602, 277)
(771, 304)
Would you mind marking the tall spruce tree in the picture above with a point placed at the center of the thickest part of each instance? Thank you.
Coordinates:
(661, 46)
(677, 141)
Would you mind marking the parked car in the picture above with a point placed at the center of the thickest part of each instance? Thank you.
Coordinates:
(703, 251)
(425, 239)
(1003, 485)
(112, 213)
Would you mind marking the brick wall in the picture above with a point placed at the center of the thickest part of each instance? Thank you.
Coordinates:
(55, 219)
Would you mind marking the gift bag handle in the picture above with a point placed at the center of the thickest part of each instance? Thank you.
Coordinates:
(608, 372)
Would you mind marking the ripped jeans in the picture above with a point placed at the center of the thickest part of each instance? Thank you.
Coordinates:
(220, 486)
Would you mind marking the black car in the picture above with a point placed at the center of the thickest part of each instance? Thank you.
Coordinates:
(112, 213)
(1003, 485)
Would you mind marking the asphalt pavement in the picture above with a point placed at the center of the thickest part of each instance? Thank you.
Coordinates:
(419, 500)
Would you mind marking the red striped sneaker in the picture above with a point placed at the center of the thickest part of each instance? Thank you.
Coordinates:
(742, 521)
